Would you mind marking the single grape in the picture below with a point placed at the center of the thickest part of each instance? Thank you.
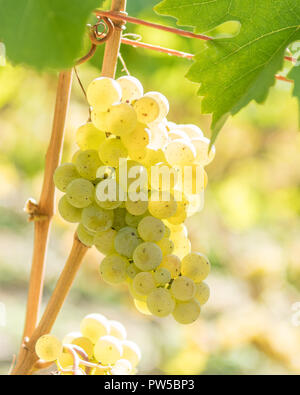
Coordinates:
(119, 218)
(113, 269)
(121, 119)
(117, 330)
(183, 288)
(104, 241)
(80, 193)
(180, 153)
(64, 175)
(144, 283)
(88, 137)
(171, 263)
(109, 194)
(65, 361)
(99, 119)
(187, 312)
(126, 241)
(162, 207)
(131, 270)
(111, 151)
(152, 157)
(94, 326)
(85, 344)
(131, 352)
(166, 245)
(151, 229)
(147, 256)
(87, 164)
(163, 103)
(108, 350)
(202, 293)
(133, 220)
(103, 92)
(97, 219)
(48, 348)
(121, 367)
(68, 212)
(182, 246)
(147, 109)
(160, 302)
(85, 236)
(181, 213)
(138, 139)
(196, 266)
(131, 87)
(162, 276)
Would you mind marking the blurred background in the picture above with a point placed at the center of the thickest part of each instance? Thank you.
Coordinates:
(249, 228)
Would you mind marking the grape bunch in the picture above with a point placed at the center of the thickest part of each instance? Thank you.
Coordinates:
(100, 348)
(116, 190)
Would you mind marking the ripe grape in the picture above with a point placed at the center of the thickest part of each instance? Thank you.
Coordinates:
(111, 151)
(94, 326)
(87, 163)
(166, 245)
(131, 270)
(202, 293)
(131, 352)
(142, 307)
(195, 266)
(187, 312)
(126, 241)
(160, 302)
(162, 276)
(108, 350)
(85, 344)
(68, 212)
(147, 109)
(88, 137)
(131, 87)
(103, 92)
(151, 229)
(180, 152)
(109, 194)
(136, 208)
(119, 218)
(163, 103)
(121, 119)
(97, 219)
(80, 193)
(104, 241)
(147, 256)
(85, 236)
(144, 283)
(162, 208)
(113, 268)
(64, 175)
(99, 119)
(173, 264)
(183, 288)
(138, 139)
(48, 348)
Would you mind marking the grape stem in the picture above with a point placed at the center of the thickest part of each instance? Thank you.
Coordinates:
(28, 357)
(43, 213)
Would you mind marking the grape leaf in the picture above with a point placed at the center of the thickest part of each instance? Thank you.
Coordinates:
(234, 71)
(294, 74)
(45, 34)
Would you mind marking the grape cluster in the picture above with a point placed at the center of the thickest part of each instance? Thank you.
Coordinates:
(144, 239)
(100, 348)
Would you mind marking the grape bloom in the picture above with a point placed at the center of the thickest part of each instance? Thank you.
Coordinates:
(130, 187)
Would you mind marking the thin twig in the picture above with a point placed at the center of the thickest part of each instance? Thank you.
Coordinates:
(123, 64)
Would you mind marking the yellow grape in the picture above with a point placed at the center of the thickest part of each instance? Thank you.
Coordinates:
(131, 352)
(121, 119)
(147, 109)
(196, 266)
(89, 137)
(108, 350)
(94, 326)
(187, 312)
(48, 348)
(103, 92)
(202, 293)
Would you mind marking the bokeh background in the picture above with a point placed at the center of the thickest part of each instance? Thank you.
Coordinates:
(250, 226)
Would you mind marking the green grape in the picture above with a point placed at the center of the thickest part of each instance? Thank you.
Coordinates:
(108, 350)
(97, 219)
(94, 326)
(117, 330)
(119, 218)
(161, 207)
(80, 193)
(131, 352)
(126, 241)
(196, 266)
(187, 312)
(181, 213)
(111, 151)
(142, 307)
(103, 92)
(180, 153)
(153, 156)
(182, 247)
(171, 263)
(85, 236)
(151, 229)
(87, 164)
(192, 131)
(88, 137)
(138, 139)
(166, 245)
(74, 157)
(163, 103)
(144, 283)
(183, 288)
(162, 276)
(121, 119)
(85, 344)
(160, 302)
(202, 293)
(121, 367)
(113, 269)
(133, 220)
(99, 119)
(131, 270)
(108, 194)
(134, 293)
(167, 232)
(203, 155)
(68, 212)
(147, 109)
(104, 241)
(131, 87)
(48, 348)
(147, 256)
(64, 175)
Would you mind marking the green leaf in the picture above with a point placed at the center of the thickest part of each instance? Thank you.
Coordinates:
(45, 34)
(294, 74)
(232, 72)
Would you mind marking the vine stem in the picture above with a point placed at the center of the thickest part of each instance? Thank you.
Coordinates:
(28, 357)
(43, 213)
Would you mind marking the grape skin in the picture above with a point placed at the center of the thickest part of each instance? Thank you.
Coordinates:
(131, 87)
(104, 241)
(86, 237)
(151, 229)
(48, 348)
(108, 350)
(87, 163)
(126, 241)
(64, 175)
(111, 151)
(147, 109)
(196, 266)
(80, 193)
(94, 326)
(187, 312)
(160, 302)
(121, 119)
(97, 219)
(113, 269)
(103, 92)
(68, 212)
(144, 283)
(202, 293)
(183, 288)
(147, 256)
(89, 137)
